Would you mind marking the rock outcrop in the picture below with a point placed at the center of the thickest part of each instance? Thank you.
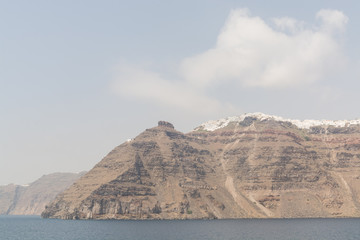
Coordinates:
(32, 199)
(254, 167)
(165, 124)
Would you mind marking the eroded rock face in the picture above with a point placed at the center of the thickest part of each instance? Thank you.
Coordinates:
(249, 169)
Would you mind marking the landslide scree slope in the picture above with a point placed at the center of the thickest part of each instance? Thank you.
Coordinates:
(248, 167)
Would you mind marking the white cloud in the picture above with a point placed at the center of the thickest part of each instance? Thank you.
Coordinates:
(333, 20)
(248, 51)
(140, 84)
(288, 24)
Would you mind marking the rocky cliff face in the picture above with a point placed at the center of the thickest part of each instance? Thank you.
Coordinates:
(249, 167)
(32, 199)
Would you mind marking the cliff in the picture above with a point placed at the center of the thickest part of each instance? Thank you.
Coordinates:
(32, 199)
(255, 166)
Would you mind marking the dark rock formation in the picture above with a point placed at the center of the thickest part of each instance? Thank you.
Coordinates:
(165, 124)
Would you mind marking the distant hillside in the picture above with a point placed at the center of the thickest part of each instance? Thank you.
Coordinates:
(32, 199)
(250, 166)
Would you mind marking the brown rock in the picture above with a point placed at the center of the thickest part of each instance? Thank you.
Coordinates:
(252, 169)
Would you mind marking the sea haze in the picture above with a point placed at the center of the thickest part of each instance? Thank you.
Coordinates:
(34, 228)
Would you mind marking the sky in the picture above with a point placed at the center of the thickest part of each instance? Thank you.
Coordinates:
(78, 78)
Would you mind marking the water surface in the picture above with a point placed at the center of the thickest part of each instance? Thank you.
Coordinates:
(34, 228)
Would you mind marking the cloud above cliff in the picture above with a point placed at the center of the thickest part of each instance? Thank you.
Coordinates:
(249, 53)
(137, 83)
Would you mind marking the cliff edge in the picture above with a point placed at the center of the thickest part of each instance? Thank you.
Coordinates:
(247, 167)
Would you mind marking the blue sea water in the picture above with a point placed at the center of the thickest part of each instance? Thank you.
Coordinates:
(31, 228)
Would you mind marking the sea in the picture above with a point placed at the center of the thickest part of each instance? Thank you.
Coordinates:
(36, 228)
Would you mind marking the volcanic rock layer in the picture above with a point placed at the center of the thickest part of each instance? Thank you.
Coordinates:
(255, 167)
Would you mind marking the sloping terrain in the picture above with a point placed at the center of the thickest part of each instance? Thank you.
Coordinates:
(32, 199)
(253, 166)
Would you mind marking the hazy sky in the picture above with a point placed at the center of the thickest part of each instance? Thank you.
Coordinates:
(78, 78)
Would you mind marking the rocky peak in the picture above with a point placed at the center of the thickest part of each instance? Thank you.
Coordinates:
(165, 124)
